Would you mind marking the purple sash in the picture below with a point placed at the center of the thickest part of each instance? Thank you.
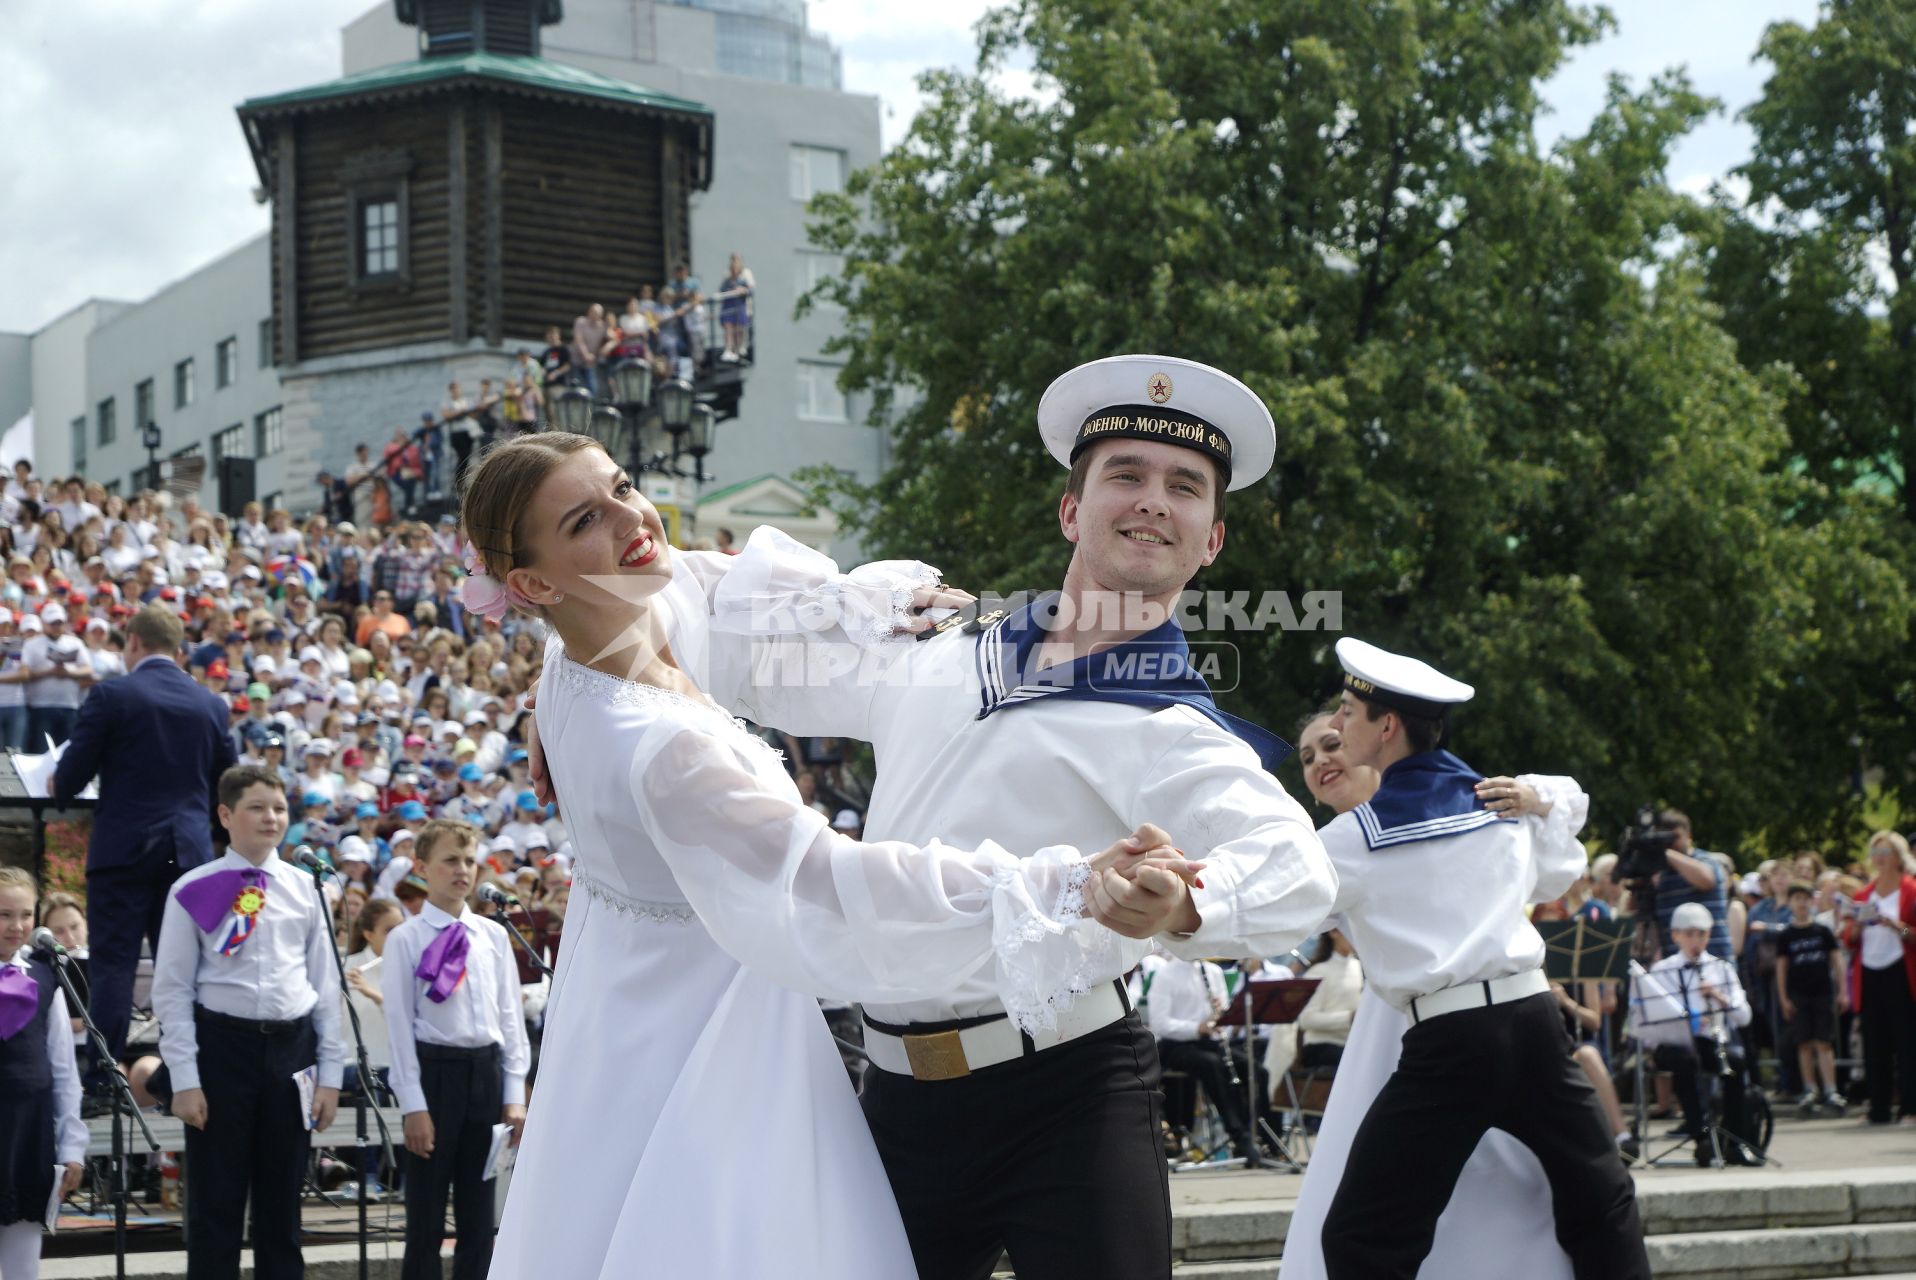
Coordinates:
(19, 1000)
(209, 898)
(444, 963)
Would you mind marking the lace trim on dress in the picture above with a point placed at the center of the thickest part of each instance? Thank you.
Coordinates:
(636, 908)
(576, 677)
(1035, 997)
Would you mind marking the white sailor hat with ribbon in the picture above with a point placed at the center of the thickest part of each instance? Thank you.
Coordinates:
(1393, 680)
(1146, 397)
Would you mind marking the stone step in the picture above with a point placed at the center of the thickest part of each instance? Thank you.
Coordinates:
(1254, 1269)
(1800, 1253)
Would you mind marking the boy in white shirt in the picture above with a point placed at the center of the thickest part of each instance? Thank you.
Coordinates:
(248, 999)
(456, 1025)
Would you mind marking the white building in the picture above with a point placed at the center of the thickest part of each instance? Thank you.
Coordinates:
(191, 355)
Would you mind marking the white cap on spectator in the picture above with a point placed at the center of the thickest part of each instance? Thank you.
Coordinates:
(847, 820)
(537, 840)
(1691, 915)
(345, 526)
(322, 747)
(355, 849)
(30, 622)
(252, 572)
(451, 729)
(216, 580)
(53, 613)
(503, 844)
(500, 671)
(98, 624)
(377, 776)
(387, 691)
(345, 694)
(404, 833)
(294, 698)
(475, 716)
(311, 653)
(265, 663)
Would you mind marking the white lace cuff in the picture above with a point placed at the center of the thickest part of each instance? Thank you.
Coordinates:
(1048, 953)
(779, 586)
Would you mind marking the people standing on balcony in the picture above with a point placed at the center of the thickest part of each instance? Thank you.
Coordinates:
(686, 299)
(555, 362)
(588, 339)
(456, 414)
(735, 309)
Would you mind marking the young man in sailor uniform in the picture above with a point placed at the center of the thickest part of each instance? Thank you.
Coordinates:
(1070, 719)
(1434, 887)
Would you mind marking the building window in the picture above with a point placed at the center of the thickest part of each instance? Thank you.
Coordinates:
(79, 437)
(143, 403)
(113, 487)
(269, 433)
(272, 501)
(226, 362)
(816, 170)
(188, 451)
(378, 238)
(819, 399)
(183, 386)
(815, 269)
(109, 426)
(230, 443)
(266, 343)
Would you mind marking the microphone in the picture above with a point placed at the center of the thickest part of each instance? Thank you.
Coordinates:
(46, 944)
(305, 858)
(498, 897)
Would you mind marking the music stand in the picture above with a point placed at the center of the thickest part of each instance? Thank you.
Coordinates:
(1655, 1002)
(1267, 1004)
(1584, 950)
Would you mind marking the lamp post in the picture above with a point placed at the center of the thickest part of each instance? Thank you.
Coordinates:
(572, 411)
(698, 440)
(150, 437)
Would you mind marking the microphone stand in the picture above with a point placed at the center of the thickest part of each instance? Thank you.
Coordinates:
(505, 918)
(366, 1079)
(123, 1104)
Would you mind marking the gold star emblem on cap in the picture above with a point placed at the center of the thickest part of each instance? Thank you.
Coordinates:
(1159, 388)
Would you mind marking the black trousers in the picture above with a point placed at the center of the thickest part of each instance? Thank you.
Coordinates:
(255, 1141)
(1203, 1061)
(1889, 1042)
(465, 1092)
(1055, 1157)
(1461, 1074)
(1683, 1063)
(124, 906)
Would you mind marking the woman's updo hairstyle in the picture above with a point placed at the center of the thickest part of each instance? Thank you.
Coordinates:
(499, 487)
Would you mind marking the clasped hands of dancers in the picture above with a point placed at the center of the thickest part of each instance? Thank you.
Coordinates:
(1012, 1102)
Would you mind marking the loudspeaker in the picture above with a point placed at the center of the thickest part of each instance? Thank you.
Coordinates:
(236, 485)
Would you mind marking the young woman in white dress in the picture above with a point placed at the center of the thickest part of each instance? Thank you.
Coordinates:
(691, 1116)
(1499, 1224)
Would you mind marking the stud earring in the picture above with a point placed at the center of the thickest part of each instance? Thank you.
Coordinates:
(558, 598)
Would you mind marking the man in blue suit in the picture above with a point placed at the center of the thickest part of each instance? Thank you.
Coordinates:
(158, 743)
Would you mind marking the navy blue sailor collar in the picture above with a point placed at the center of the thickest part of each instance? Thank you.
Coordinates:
(1427, 796)
(1150, 670)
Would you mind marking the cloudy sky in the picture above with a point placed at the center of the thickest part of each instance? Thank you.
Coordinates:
(127, 169)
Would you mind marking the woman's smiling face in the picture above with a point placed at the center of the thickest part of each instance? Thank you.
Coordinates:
(1330, 778)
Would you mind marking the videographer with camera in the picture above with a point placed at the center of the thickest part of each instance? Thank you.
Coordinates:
(1659, 861)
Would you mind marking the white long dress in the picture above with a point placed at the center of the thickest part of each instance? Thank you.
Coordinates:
(691, 1116)
(1499, 1224)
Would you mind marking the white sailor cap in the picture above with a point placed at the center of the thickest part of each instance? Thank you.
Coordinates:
(1145, 397)
(1409, 685)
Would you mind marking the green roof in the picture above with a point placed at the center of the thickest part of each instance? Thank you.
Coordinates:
(536, 75)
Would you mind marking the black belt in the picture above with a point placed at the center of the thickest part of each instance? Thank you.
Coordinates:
(258, 1026)
(454, 1052)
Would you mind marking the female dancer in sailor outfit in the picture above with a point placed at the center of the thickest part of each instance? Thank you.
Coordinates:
(1434, 889)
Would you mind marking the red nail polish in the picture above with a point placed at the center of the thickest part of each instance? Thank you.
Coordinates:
(1197, 882)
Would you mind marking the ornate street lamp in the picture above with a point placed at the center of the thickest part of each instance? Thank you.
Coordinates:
(572, 411)
(699, 438)
(607, 426)
(632, 384)
(673, 401)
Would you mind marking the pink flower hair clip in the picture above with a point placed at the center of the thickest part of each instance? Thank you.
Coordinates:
(483, 594)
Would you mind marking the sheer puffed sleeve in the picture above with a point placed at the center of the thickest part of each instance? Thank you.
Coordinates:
(799, 645)
(883, 920)
(1560, 856)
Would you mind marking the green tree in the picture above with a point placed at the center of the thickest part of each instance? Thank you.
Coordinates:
(1510, 428)
(1813, 266)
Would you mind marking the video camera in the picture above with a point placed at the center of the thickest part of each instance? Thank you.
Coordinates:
(1642, 852)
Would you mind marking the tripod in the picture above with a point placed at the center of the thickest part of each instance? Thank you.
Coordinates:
(123, 1105)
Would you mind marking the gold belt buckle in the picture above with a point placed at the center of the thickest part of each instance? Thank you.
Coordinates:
(938, 1056)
